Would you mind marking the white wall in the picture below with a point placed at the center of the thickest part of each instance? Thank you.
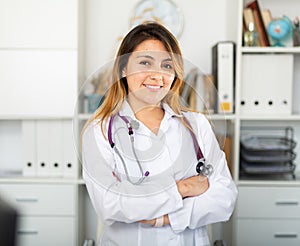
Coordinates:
(206, 22)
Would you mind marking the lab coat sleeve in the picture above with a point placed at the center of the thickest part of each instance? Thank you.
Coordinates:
(217, 203)
(116, 200)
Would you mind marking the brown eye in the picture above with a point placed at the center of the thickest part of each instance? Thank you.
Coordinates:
(145, 63)
(167, 66)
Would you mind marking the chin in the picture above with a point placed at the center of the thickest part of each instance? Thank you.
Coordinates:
(149, 99)
(153, 99)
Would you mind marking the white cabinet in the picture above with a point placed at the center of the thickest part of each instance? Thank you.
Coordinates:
(38, 58)
(268, 202)
(275, 232)
(38, 24)
(38, 83)
(41, 199)
(268, 216)
(47, 212)
(38, 86)
(49, 231)
(267, 88)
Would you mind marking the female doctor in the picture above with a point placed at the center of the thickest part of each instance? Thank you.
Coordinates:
(153, 169)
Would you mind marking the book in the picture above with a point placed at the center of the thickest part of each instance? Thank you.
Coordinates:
(209, 93)
(249, 28)
(202, 96)
(198, 91)
(259, 24)
(261, 41)
(267, 18)
(188, 88)
(225, 143)
(248, 18)
(192, 100)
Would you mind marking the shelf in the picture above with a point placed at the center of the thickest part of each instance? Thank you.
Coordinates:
(221, 116)
(36, 117)
(271, 117)
(84, 116)
(284, 183)
(270, 50)
(39, 180)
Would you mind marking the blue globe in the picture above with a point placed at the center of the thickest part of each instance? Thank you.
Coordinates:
(279, 30)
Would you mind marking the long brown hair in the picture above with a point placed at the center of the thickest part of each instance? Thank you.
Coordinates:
(118, 91)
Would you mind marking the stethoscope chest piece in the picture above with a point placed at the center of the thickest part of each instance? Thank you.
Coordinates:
(203, 169)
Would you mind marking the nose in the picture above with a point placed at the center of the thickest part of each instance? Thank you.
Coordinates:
(156, 76)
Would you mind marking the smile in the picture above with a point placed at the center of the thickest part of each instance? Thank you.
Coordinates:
(153, 87)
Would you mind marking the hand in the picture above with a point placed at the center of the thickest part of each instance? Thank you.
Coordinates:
(152, 222)
(148, 222)
(193, 186)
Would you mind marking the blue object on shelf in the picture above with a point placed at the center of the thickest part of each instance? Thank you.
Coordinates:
(280, 30)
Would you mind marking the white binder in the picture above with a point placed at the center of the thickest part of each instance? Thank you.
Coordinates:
(224, 75)
(267, 84)
(55, 145)
(29, 148)
(42, 148)
(56, 155)
(70, 162)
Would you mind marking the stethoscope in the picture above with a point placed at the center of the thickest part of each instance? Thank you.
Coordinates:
(201, 168)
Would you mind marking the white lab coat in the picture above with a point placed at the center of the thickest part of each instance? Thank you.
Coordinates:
(168, 156)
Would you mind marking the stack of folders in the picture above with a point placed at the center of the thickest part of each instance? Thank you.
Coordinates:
(268, 155)
(48, 148)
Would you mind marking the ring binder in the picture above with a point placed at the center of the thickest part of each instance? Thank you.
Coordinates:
(223, 60)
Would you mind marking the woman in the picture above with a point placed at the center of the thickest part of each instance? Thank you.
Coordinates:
(139, 152)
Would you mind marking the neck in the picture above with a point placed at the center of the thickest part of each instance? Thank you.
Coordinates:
(144, 109)
(150, 115)
(150, 112)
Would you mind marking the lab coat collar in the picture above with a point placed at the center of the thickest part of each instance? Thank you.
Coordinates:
(126, 110)
(169, 112)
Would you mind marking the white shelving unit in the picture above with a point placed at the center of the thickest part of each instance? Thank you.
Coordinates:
(267, 210)
(39, 59)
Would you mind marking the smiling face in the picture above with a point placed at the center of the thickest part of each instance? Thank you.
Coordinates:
(149, 73)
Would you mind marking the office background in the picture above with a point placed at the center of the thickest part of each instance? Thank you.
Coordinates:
(49, 48)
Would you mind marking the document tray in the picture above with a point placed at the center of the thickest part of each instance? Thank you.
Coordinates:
(267, 143)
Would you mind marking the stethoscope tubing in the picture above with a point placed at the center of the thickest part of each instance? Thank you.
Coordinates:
(201, 167)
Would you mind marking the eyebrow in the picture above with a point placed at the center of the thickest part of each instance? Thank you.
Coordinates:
(152, 58)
